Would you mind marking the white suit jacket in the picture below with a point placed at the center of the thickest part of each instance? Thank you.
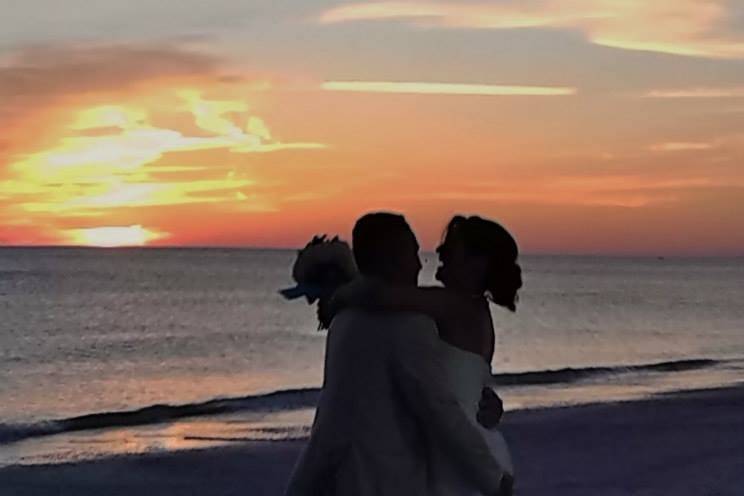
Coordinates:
(384, 402)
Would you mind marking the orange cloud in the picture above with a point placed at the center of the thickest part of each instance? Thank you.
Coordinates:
(627, 191)
(430, 88)
(38, 85)
(734, 92)
(34, 81)
(679, 27)
(110, 170)
(680, 146)
(86, 149)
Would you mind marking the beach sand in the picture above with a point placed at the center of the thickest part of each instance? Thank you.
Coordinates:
(683, 444)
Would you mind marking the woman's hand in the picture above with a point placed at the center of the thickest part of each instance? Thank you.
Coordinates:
(490, 409)
(363, 292)
(507, 486)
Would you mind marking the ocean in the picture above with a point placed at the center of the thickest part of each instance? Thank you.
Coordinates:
(120, 351)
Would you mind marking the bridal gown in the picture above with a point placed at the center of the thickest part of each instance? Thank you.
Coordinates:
(467, 374)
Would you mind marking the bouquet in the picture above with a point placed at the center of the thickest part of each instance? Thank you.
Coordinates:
(321, 267)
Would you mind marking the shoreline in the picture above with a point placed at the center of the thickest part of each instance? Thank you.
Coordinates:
(513, 386)
(689, 442)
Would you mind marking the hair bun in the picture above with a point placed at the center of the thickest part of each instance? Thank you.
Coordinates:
(503, 283)
(490, 239)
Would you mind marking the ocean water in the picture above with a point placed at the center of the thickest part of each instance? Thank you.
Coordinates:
(108, 352)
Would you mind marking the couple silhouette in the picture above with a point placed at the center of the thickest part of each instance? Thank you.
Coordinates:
(405, 407)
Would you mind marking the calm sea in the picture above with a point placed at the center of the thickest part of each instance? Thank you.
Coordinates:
(129, 350)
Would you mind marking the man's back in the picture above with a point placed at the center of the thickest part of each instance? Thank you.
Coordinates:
(363, 432)
(364, 403)
(383, 404)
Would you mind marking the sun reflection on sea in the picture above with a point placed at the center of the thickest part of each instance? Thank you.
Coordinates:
(186, 434)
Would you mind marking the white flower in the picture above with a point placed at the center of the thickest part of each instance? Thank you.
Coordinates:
(321, 267)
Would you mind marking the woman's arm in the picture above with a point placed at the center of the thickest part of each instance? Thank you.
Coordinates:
(435, 302)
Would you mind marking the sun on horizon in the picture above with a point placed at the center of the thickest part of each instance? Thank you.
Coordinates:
(113, 236)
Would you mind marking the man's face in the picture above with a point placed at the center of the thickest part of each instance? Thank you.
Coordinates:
(409, 261)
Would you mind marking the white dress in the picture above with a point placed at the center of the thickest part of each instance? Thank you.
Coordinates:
(467, 374)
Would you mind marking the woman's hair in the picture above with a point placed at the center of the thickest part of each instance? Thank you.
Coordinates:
(488, 238)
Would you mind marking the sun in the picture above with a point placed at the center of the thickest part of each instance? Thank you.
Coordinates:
(113, 236)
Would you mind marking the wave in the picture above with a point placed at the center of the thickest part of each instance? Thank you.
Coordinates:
(569, 375)
(292, 399)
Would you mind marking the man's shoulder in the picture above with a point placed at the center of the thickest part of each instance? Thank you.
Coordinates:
(364, 318)
(398, 327)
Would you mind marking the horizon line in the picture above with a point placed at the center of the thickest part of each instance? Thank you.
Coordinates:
(657, 255)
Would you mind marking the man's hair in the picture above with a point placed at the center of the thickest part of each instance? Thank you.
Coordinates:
(376, 241)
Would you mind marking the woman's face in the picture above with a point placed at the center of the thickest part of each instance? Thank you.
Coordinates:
(458, 269)
(446, 252)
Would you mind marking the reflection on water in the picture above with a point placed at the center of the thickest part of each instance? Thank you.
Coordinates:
(287, 424)
(184, 434)
(104, 332)
(90, 331)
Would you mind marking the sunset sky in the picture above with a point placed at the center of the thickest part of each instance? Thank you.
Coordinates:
(584, 126)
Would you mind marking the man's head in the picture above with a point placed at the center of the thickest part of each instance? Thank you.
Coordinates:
(384, 246)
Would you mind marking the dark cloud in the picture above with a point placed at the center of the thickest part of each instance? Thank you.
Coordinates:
(42, 71)
(34, 79)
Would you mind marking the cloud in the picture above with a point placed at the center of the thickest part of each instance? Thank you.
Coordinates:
(111, 170)
(679, 27)
(38, 84)
(625, 191)
(625, 200)
(680, 146)
(723, 147)
(732, 92)
(34, 21)
(430, 88)
(90, 130)
(53, 71)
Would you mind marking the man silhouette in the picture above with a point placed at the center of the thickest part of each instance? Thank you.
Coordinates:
(383, 404)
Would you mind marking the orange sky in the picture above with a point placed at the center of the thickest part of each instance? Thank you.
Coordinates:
(599, 127)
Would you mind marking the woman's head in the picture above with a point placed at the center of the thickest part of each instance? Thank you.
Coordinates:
(480, 256)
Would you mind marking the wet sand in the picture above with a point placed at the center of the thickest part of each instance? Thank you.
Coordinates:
(683, 444)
